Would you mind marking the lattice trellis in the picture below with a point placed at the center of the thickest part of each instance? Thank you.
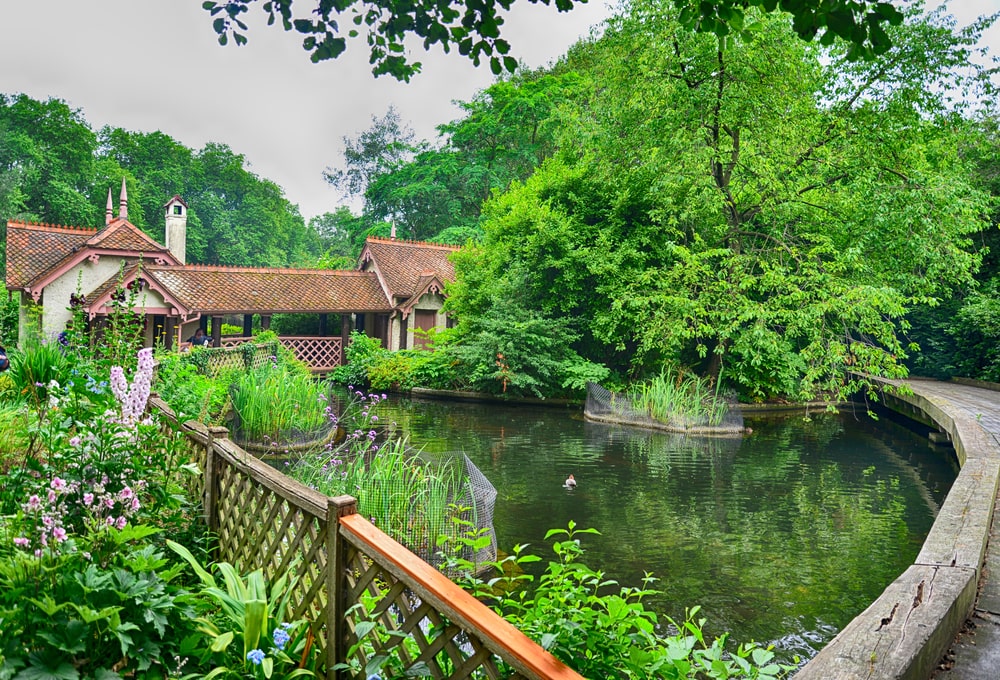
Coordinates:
(417, 638)
(321, 354)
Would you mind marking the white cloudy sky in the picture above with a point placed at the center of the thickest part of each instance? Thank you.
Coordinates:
(155, 65)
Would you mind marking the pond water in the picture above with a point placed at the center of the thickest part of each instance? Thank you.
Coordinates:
(782, 536)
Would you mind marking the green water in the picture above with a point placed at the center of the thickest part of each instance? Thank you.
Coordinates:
(782, 536)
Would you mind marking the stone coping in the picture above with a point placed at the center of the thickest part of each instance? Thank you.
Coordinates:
(905, 632)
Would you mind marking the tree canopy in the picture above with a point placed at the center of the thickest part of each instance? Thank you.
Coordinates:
(473, 27)
(55, 168)
(760, 213)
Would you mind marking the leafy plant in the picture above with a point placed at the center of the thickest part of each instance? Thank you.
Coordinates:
(272, 401)
(251, 616)
(680, 399)
(602, 629)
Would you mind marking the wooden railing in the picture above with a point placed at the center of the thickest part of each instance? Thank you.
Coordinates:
(321, 354)
(346, 571)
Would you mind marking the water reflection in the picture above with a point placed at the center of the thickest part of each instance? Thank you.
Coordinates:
(781, 536)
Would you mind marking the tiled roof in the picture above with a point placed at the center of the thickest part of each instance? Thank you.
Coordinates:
(221, 290)
(33, 249)
(402, 263)
(123, 235)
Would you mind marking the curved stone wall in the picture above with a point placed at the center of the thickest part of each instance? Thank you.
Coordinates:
(905, 632)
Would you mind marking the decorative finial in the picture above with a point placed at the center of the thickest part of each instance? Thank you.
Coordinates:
(109, 213)
(123, 203)
(392, 232)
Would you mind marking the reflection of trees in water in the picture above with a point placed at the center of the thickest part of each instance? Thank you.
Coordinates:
(795, 528)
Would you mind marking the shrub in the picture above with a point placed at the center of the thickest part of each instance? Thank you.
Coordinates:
(274, 400)
(361, 353)
(35, 366)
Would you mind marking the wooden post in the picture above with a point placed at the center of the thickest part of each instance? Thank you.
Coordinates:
(336, 600)
(322, 325)
(247, 325)
(265, 322)
(345, 334)
(216, 331)
(211, 500)
(169, 333)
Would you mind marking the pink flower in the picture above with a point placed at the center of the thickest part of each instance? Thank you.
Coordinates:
(110, 521)
(125, 494)
(135, 504)
(88, 499)
(58, 484)
(74, 442)
(34, 502)
(121, 523)
(21, 542)
(59, 534)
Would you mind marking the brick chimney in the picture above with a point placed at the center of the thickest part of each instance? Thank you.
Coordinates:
(176, 231)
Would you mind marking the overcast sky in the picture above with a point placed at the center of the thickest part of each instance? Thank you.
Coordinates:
(149, 65)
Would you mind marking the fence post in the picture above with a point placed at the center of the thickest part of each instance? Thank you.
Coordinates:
(336, 562)
(212, 478)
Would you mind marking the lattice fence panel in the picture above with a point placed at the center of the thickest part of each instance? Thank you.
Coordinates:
(319, 353)
(418, 639)
(259, 529)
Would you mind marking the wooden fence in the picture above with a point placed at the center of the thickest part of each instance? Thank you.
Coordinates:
(345, 571)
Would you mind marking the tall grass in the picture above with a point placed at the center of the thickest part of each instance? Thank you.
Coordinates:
(407, 498)
(680, 399)
(273, 401)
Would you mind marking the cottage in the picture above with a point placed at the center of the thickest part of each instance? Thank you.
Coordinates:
(396, 291)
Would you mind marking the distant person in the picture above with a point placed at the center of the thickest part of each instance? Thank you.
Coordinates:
(199, 339)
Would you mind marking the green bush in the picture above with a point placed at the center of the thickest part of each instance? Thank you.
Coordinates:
(35, 366)
(361, 353)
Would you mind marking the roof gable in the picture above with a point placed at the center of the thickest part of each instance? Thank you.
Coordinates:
(37, 254)
(33, 249)
(121, 234)
(401, 264)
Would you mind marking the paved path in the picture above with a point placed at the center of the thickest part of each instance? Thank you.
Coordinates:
(977, 651)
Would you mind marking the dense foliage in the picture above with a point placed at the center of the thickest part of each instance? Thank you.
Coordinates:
(55, 168)
(758, 212)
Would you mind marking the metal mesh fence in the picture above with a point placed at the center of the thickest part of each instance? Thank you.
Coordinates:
(606, 406)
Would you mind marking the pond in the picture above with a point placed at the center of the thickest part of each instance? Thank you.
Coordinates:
(782, 536)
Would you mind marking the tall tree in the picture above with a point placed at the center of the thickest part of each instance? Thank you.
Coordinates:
(757, 211)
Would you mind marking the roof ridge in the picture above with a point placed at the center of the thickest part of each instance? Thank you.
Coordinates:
(429, 244)
(46, 226)
(264, 270)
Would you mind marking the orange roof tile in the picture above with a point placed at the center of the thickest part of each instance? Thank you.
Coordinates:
(33, 249)
(404, 263)
(222, 290)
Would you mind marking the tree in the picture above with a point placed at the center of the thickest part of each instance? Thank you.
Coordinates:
(380, 149)
(474, 27)
(757, 212)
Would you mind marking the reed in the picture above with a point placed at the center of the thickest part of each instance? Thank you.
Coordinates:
(680, 399)
(272, 401)
(406, 497)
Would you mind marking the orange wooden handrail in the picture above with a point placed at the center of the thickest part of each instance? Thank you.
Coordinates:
(498, 635)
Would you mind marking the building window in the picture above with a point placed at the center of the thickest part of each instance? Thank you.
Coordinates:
(178, 210)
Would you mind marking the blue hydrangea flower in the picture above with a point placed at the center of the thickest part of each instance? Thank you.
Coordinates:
(256, 656)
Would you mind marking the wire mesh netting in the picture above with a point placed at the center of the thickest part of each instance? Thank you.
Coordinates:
(722, 416)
